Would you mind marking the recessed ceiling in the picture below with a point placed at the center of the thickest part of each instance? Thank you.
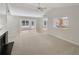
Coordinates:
(30, 9)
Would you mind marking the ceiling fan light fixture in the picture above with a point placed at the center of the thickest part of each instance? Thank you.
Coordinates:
(41, 8)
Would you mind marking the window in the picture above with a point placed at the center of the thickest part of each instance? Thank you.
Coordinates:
(27, 23)
(45, 20)
(23, 23)
(44, 23)
(32, 23)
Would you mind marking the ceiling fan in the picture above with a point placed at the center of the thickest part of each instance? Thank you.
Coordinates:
(40, 8)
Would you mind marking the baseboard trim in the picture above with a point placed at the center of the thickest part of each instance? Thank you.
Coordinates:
(64, 39)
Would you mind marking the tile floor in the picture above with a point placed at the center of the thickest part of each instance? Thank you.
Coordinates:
(33, 43)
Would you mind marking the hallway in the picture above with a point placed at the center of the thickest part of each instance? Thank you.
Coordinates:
(33, 43)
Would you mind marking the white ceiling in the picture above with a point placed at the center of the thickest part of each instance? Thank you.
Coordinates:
(30, 9)
(2, 9)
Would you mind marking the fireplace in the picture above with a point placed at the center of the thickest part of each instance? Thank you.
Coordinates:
(5, 47)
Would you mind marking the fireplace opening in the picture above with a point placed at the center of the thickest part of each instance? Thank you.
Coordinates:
(3, 41)
(5, 47)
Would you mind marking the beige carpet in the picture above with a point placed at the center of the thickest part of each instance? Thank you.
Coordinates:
(33, 43)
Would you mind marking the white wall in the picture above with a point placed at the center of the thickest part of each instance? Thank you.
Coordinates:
(3, 23)
(3, 19)
(30, 24)
(39, 25)
(13, 27)
(3, 16)
(71, 34)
